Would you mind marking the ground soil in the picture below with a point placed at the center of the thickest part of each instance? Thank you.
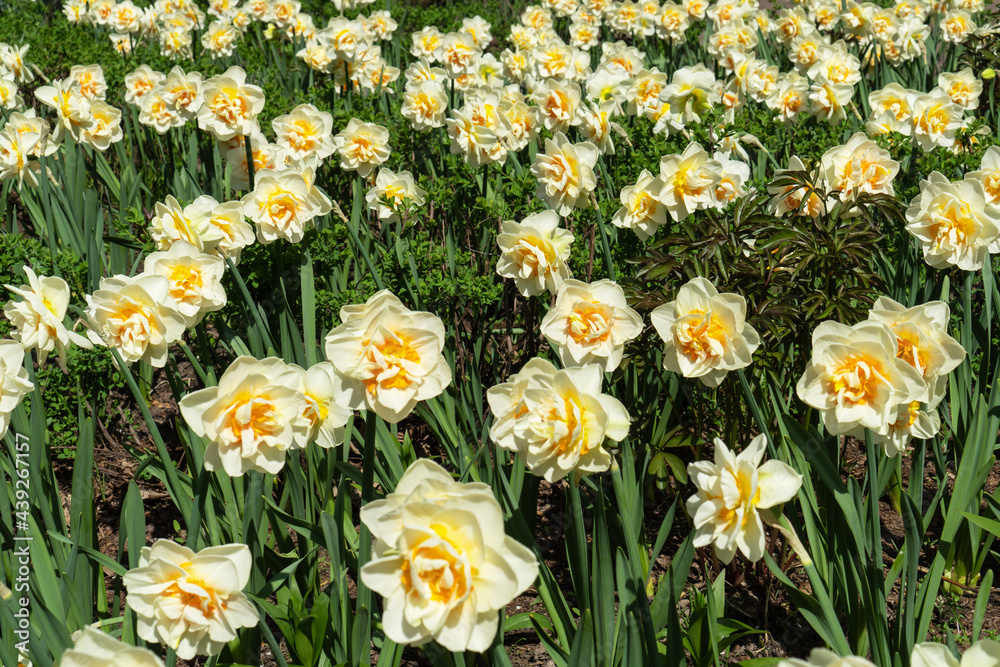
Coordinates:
(752, 595)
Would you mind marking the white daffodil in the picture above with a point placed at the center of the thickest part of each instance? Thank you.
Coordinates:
(859, 166)
(954, 223)
(984, 653)
(192, 602)
(38, 318)
(534, 252)
(195, 279)
(253, 416)
(94, 648)
(689, 181)
(362, 146)
(641, 210)
(590, 324)
(922, 341)
(506, 399)
(989, 175)
(705, 332)
(14, 382)
(282, 206)
(442, 560)
(856, 380)
(390, 356)
(231, 105)
(137, 316)
(305, 131)
(563, 420)
(565, 173)
(731, 492)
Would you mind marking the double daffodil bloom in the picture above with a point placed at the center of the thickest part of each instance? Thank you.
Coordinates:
(705, 332)
(954, 223)
(14, 382)
(94, 648)
(590, 324)
(442, 560)
(732, 491)
(534, 252)
(252, 418)
(137, 316)
(192, 602)
(231, 105)
(389, 356)
(565, 173)
(558, 420)
(642, 211)
(38, 318)
(856, 380)
(362, 146)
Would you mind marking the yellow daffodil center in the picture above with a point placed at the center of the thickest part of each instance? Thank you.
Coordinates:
(527, 253)
(316, 408)
(991, 183)
(229, 106)
(303, 135)
(255, 415)
(908, 349)
(209, 604)
(184, 279)
(183, 96)
(912, 411)
(590, 322)
(952, 223)
(363, 148)
(857, 380)
(686, 183)
(700, 335)
(436, 570)
(282, 206)
(425, 104)
(749, 497)
(389, 362)
(566, 426)
(557, 105)
(395, 194)
(644, 206)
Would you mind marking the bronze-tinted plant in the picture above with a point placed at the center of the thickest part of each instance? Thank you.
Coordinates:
(794, 271)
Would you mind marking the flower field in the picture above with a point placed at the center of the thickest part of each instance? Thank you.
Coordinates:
(458, 333)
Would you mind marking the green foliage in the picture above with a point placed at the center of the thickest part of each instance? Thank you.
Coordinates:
(90, 376)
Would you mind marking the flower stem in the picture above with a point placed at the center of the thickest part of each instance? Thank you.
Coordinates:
(577, 543)
(365, 544)
(248, 146)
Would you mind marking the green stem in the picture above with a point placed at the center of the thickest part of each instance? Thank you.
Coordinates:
(250, 304)
(172, 481)
(605, 242)
(248, 145)
(367, 495)
(578, 548)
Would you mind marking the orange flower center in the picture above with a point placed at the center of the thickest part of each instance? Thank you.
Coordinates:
(909, 351)
(208, 604)
(590, 322)
(857, 380)
(390, 362)
(437, 570)
(700, 335)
